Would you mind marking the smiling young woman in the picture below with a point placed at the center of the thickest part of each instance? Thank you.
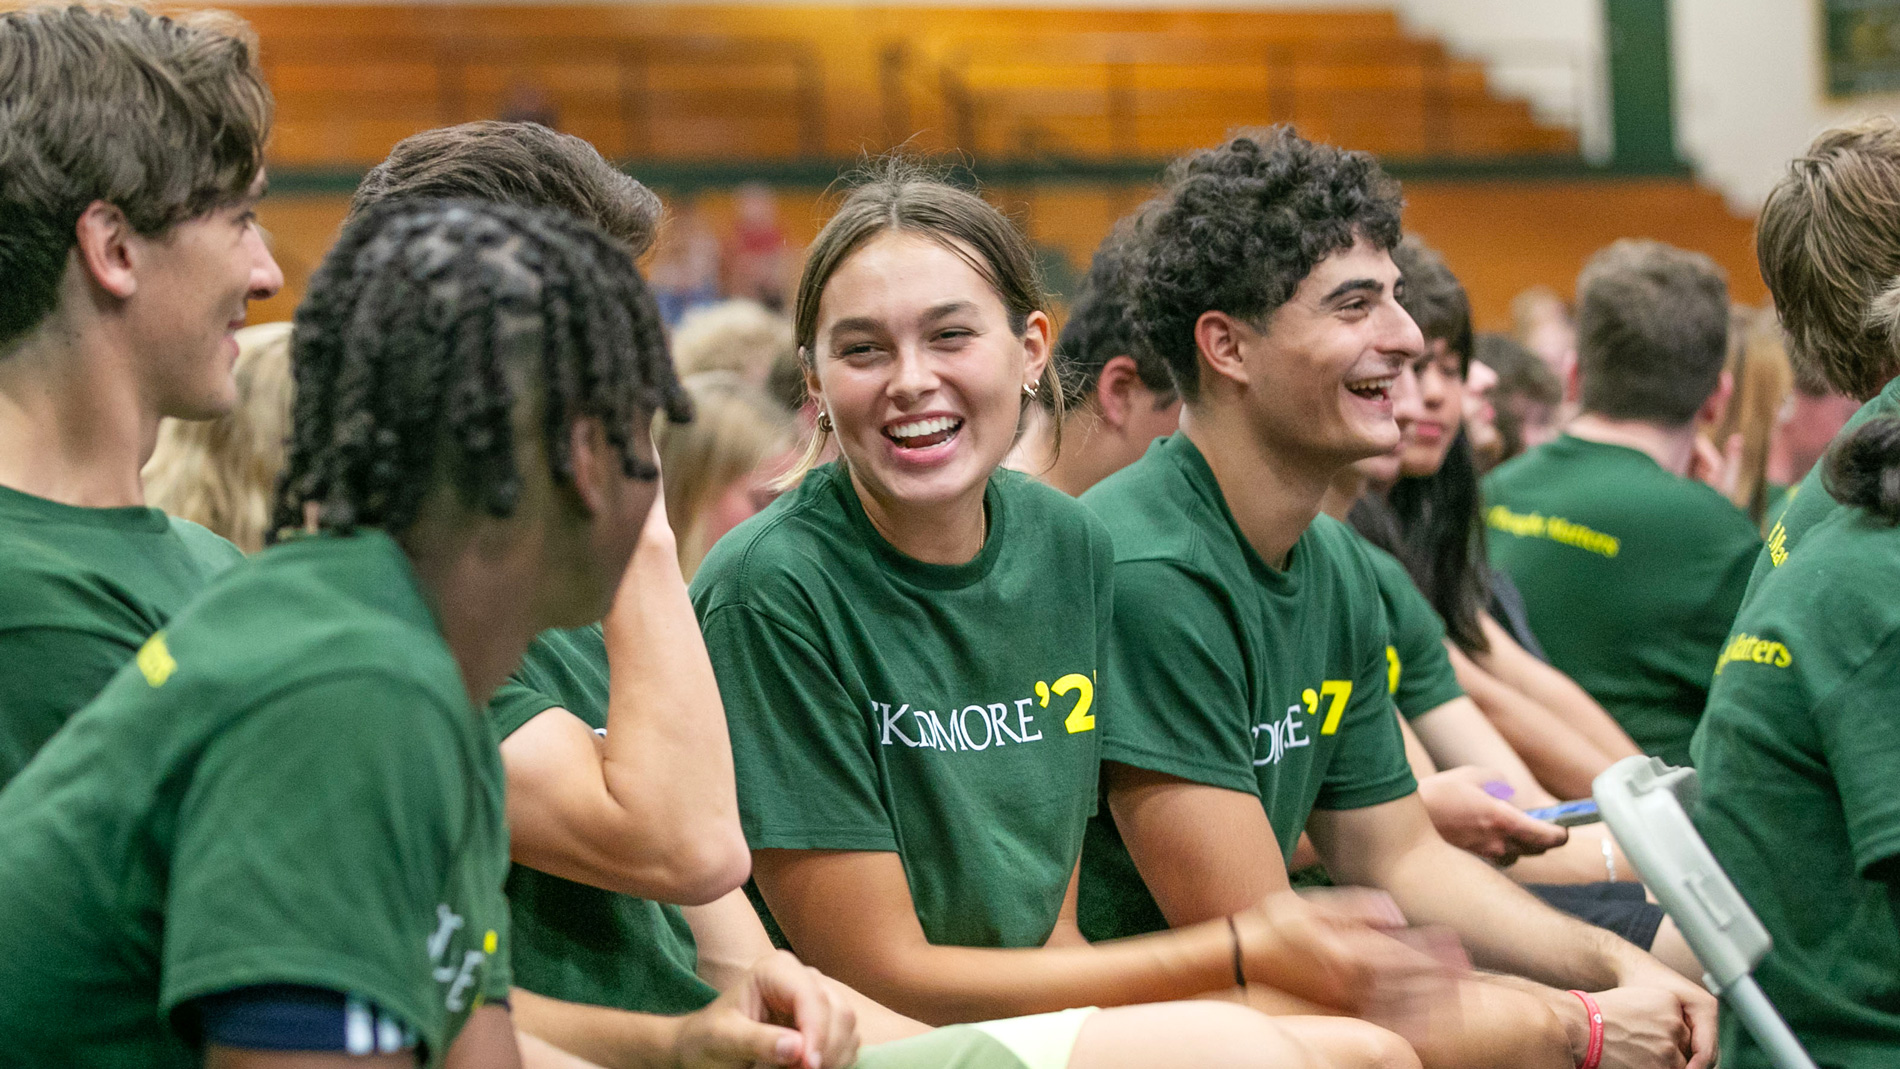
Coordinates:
(908, 647)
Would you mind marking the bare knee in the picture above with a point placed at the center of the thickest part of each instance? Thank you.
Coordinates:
(1498, 1028)
(1345, 1043)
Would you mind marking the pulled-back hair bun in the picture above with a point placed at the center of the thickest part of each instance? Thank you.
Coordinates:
(1863, 469)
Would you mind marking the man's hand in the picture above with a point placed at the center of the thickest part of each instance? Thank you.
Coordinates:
(1468, 817)
(780, 1013)
(1718, 468)
(1344, 951)
(1644, 1028)
(1695, 1005)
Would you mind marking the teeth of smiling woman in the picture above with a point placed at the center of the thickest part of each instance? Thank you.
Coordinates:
(1372, 387)
(919, 428)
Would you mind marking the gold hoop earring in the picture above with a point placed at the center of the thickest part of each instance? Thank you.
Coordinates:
(824, 423)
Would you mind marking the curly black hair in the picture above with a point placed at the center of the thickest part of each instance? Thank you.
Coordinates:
(424, 327)
(1239, 226)
(1098, 329)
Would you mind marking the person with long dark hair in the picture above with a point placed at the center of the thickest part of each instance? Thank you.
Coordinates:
(1434, 510)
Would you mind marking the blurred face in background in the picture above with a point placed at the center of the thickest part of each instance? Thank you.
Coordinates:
(1480, 416)
(1440, 410)
(745, 496)
(1382, 471)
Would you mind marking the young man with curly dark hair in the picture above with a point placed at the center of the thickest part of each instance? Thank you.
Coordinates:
(1249, 636)
(131, 159)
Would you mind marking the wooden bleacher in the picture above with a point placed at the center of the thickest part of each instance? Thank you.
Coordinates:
(744, 83)
(750, 85)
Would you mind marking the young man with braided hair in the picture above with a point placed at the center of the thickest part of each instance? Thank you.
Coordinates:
(1250, 635)
(277, 838)
(131, 158)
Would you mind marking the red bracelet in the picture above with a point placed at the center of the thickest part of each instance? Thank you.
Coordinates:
(1593, 1054)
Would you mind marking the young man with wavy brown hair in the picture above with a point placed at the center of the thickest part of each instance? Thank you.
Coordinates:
(131, 162)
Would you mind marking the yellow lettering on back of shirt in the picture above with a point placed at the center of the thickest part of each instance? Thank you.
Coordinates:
(1392, 669)
(1749, 648)
(155, 660)
(1555, 529)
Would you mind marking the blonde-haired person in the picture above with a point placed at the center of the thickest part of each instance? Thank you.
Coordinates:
(737, 335)
(219, 473)
(1758, 365)
(720, 467)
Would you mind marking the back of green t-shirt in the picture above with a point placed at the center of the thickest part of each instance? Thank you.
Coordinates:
(1808, 502)
(946, 713)
(1631, 576)
(286, 786)
(1236, 675)
(1799, 762)
(572, 941)
(84, 589)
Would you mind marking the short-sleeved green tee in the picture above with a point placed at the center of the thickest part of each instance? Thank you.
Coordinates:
(944, 712)
(287, 785)
(1799, 761)
(1631, 576)
(573, 941)
(1808, 502)
(1418, 670)
(84, 589)
(1235, 674)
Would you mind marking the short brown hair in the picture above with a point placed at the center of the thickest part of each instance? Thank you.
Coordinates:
(165, 119)
(1828, 242)
(1652, 331)
(902, 195)
(520, 163)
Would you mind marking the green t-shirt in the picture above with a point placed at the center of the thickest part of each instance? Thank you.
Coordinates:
(1808, 502)
(1237, 675)
(84, 589)
(1419, 674)
(573, 941)
(1799, 762)
(1631, 576)
(944, 712)
(286, 786)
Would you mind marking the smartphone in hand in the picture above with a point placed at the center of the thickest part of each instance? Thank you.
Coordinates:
(1568, 814)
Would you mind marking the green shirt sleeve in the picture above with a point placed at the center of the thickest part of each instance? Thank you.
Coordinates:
(514, 704)
(1419, 675)
(70, 666)
(314, 847)
(1370, 767)
(1860, 739)
(1175, 659)
(801, 747)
